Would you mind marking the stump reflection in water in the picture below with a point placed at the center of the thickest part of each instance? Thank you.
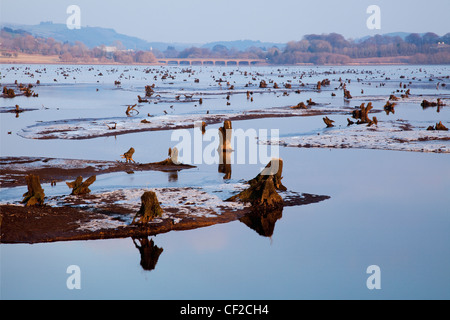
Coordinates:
(149, 252)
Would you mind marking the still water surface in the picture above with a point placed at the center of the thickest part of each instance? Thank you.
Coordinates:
(386, 208)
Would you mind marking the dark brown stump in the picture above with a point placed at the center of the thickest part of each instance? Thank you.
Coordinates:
(80, 187)
(128, 155)
(328, 122)
(150, 208)
(262, 193)
(35, 194)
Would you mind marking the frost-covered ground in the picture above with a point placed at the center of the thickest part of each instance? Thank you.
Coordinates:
(387, 135)
(94, 128)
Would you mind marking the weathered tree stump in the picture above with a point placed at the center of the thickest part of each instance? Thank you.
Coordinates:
(80, 187)
(225, 133)
(363, 113)
(275, 169)
(203, 127)
(374, 121)
(439, 126)
(262, 193)
(35, 194)
(328, 122)
(347, 94)
(150, 208)
(389, 107)
(128, 155)
(301, 105)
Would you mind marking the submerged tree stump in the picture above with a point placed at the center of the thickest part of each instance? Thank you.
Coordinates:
(80, 187)
(35, 194)
(150, 208)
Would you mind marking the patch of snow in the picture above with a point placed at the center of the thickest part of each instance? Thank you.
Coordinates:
(389, 135)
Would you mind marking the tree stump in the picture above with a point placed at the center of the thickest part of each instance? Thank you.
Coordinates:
(128, 155)
(225, 136)
(363, 113)
(80, 187)
(273, 168)
(35, 194)
(150, 208)
(328, 122)
(347, 94)
(262, 193)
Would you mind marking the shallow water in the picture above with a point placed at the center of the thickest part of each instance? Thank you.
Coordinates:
(386, 208)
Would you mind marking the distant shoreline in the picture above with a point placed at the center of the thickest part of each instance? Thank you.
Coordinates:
(55, 60)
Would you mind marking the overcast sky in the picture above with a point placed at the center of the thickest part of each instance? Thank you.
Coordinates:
(200, 21)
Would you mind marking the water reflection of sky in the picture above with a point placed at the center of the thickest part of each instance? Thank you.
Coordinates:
(386, 208)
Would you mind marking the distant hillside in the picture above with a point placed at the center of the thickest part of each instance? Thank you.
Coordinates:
(91, 36)
(96, 36)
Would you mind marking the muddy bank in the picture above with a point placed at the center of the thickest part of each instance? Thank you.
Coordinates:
(21, 224)
(13, 170)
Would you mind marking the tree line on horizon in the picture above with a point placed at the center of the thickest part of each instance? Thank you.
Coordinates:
(333, 48)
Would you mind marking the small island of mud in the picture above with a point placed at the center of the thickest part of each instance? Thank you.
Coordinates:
(111, 214)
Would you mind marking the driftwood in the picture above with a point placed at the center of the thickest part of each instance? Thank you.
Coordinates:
(80, 187)
(129, 155)
(150, 209)
(328, 122)
(35, 194)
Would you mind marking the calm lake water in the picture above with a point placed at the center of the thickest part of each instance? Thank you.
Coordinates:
(386, 208)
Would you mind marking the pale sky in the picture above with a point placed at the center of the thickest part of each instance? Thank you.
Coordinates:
(200, 21)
